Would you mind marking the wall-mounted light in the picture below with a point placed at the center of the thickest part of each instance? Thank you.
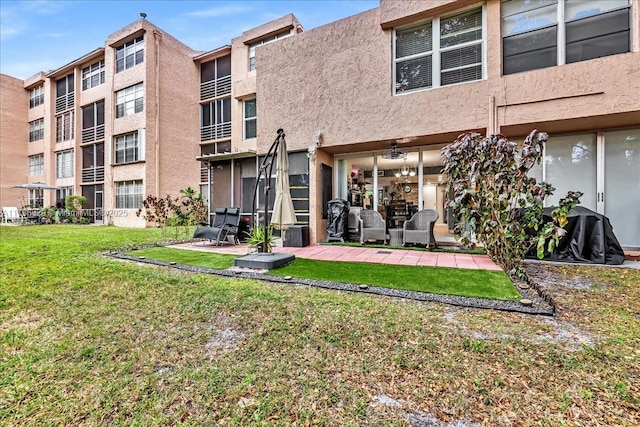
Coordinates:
(311, 152)
(318, 136)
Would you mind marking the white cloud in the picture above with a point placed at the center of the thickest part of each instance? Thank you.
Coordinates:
(225, 10)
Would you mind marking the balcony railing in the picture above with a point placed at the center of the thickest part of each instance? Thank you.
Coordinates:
(222, 130)
(65, 102)
(93, 174)
(215, 88)
(93, 134)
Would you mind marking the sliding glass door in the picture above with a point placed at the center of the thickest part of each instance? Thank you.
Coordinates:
(605, 166)
(621, 195)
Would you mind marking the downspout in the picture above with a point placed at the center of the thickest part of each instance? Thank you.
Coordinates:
(492, 126)
(157, 36)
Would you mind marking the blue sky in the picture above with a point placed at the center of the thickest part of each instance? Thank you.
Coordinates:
(44, 35)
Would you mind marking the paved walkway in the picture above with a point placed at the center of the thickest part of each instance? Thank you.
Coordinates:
(364, 254)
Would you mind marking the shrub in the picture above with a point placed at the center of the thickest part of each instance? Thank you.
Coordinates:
(186, 210)
(496, 203)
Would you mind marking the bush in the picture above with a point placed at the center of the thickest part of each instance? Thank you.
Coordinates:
(496, 203)
(186, 210)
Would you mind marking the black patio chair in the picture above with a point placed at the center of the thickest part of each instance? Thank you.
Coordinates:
(217, 225)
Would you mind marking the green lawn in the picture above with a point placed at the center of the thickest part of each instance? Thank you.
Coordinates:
(445, 281)
(89, 340)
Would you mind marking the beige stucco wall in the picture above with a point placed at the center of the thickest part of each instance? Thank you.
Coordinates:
(401, 12)
(14, 140)
(244, 81)
(170, 121)
(338, 79)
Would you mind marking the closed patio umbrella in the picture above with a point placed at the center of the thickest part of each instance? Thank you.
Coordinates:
(283, 212)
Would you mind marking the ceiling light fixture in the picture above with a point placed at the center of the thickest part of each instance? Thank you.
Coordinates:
(394, 153)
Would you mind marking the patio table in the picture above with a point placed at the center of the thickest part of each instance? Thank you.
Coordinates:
(395, 237)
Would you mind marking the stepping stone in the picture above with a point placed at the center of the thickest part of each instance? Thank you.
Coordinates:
(526, 302)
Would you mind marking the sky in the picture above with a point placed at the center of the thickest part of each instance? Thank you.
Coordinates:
(43, 35)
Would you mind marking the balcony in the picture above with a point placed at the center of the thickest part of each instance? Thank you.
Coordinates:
(93, 134)
(65, 102)
(215, 88)
(93, 174)
(221, 130)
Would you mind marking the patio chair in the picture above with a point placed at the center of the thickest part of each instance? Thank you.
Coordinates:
(225, 224)
(11, 214)
(372, 226)
(419, 229)
(231, 225)
(212, 232)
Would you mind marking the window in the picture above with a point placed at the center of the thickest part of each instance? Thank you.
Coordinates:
(64, 164)
(215, 78)
(130, 100)
(127, 148)
(555, 32)
(252, 47)
(215, 119)
(445, 51)
(93, 75)
(64, 93)
(36, 197)
(93, 122)
(129, 194)
(36, 165)
(62, 194)
(36, 96)
(36, 130)
(64, 126)
(250, 113)
(130, 54)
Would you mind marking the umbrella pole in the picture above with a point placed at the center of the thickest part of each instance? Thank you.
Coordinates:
(266, 162)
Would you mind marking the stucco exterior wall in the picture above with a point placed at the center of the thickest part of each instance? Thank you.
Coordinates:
(338, 79)
(400, 12)
(14, 140)
(244, 81)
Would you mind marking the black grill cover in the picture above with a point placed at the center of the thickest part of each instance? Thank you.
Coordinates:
(337, 216)
(589, 239)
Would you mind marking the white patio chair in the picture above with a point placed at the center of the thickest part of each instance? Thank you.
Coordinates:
(11, 214)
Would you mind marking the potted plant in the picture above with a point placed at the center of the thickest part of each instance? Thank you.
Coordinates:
(257, 237)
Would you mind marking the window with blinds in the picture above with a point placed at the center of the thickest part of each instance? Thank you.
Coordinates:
(129, 194)
(445, 51)
(36, 96)
(64, 164)
(130, 100)
(36, 165)
(127, 148)
(36, 130)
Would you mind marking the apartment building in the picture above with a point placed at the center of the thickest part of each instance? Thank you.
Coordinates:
(374, 97)
(130, 119)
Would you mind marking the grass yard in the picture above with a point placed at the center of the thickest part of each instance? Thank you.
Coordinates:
(445, 281)
(87, 340)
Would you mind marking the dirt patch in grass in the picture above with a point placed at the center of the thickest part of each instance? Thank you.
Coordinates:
(225, 338)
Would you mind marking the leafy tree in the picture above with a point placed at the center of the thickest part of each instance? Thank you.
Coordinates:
(496, 203)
